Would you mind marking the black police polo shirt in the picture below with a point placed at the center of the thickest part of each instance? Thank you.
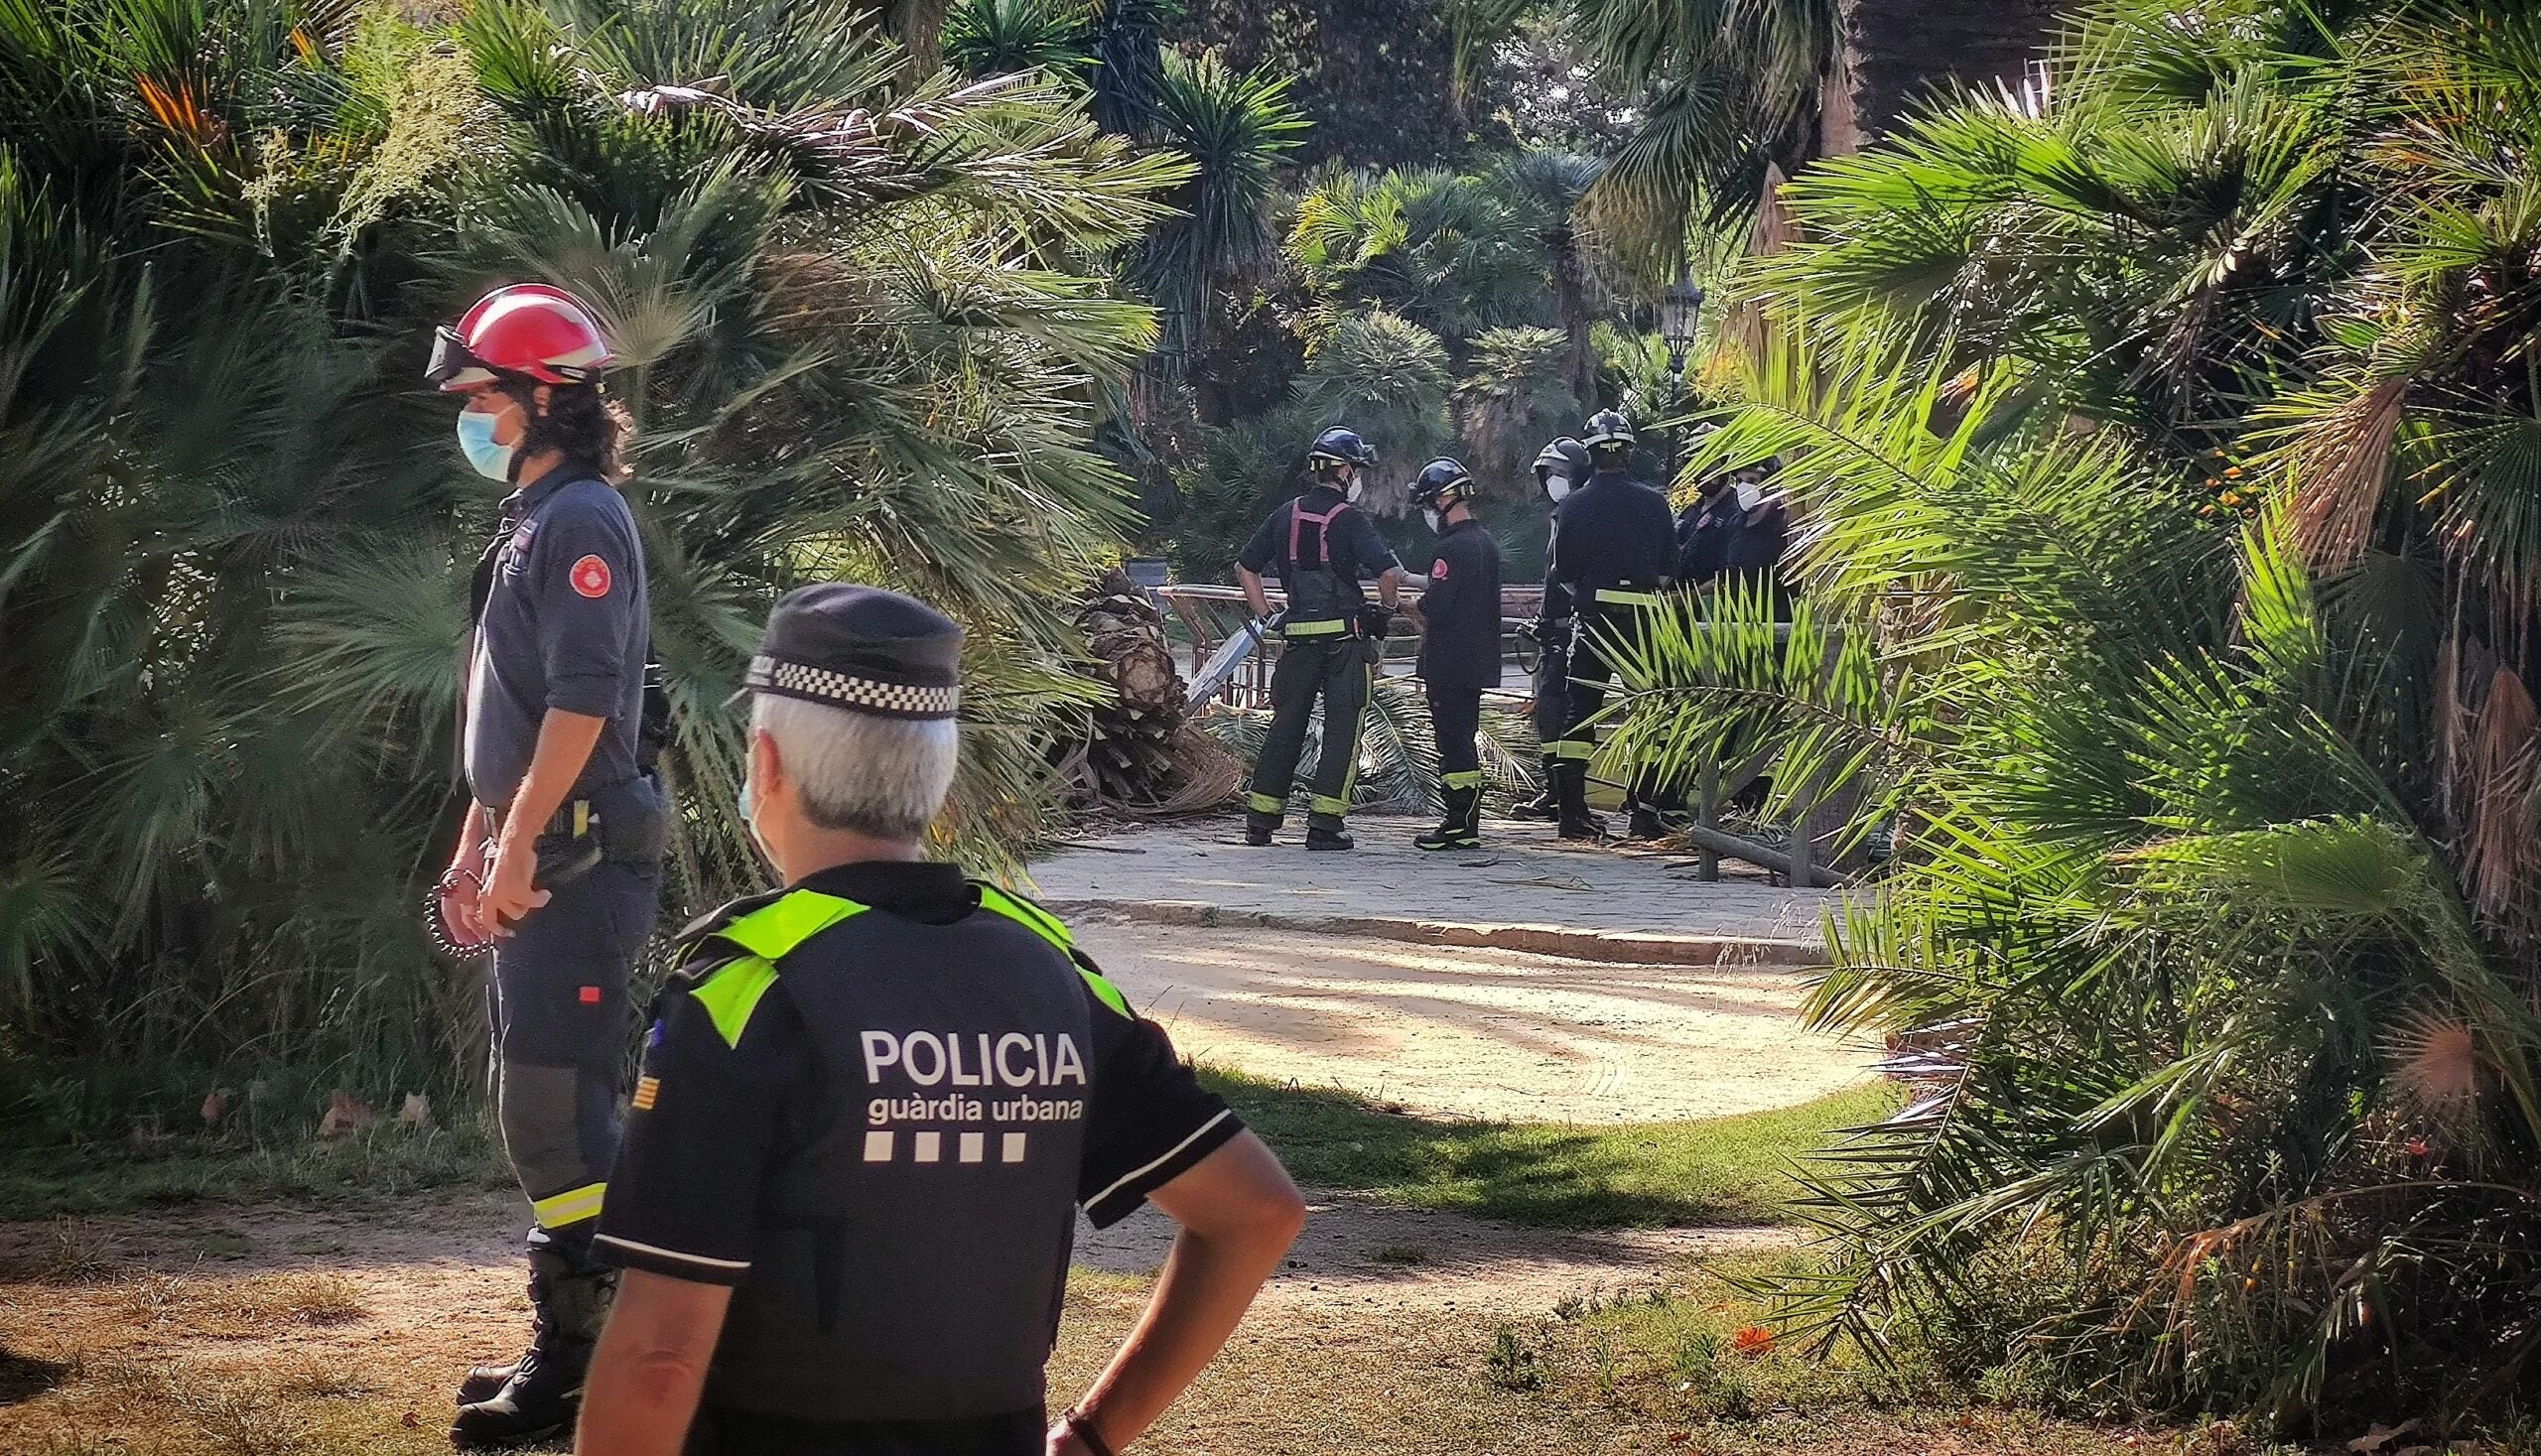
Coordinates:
(565, 625)
(714, 1120)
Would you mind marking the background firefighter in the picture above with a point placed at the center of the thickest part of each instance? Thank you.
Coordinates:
(1321, 549)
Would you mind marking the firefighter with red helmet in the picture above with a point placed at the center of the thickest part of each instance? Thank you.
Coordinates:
(558, 864)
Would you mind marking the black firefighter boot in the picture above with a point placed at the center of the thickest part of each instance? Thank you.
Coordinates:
(1570, 784)
(1544, 805)
(1326, 832)
(1461, 828)
(483, 1381)
(569, 1295)
(1259, 822)
(1645, 823)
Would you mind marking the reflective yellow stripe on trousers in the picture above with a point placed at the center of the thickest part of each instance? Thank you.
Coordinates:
(572, 1206)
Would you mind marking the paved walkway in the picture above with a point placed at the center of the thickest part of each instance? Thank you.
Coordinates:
(1525, 890)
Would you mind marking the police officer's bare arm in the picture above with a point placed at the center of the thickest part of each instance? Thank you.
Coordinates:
(651, 1366)
(565, 742)
(1239, 1214)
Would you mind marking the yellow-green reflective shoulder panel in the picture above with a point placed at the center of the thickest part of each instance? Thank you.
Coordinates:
(732, 992)
(771, 931)
(1045, 925)
(1031, 917)
(1104, 992)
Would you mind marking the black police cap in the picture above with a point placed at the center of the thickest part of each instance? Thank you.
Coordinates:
(862, 649)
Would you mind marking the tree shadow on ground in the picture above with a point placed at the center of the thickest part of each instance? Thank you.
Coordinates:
(24, 1377)
(1716, 1171)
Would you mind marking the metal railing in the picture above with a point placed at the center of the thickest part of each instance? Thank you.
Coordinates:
(1211, 614)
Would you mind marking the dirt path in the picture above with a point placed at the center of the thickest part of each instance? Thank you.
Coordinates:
(286, 1332)
(1481, 1033)
(255, 1331)
(456, 1266)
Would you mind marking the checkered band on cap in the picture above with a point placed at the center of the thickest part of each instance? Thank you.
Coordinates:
(848, 691)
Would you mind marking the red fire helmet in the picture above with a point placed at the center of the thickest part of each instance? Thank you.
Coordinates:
(526, 331)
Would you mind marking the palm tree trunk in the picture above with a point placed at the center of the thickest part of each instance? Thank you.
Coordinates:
(1895, 54)
(1570, 307)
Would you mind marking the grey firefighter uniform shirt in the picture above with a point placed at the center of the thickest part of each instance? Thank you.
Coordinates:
(713, 1122)
(565, 625)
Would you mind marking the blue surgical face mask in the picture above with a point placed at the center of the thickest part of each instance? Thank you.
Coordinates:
(487, 458)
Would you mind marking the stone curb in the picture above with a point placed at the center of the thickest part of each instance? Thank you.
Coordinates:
(1614, 947)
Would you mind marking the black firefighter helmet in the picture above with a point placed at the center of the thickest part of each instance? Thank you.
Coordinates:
(1338, 446)
(1607, 430)
(1562, 467)
(1443, 482)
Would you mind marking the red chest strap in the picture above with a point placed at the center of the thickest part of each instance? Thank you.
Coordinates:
(1297, 518)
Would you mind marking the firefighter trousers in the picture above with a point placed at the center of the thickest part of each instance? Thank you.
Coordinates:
(561, 1022)
(1337, 671)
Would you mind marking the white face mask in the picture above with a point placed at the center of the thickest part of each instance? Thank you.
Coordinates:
(1751, 494)
(1438, 522)
(1556, 487)
(1357, 489)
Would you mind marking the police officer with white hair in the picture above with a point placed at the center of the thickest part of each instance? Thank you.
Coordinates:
(871, 1104)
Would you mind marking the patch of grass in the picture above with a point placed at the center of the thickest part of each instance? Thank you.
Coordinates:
(1718, 1170)
(1513, 1363)
(1694, 1358)
(238, 1307)
(315, 1379)
(318, 1298)
(71, 1251)
(377, 1165)
(226, 1244)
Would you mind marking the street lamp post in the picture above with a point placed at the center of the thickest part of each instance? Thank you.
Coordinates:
(1681, 311)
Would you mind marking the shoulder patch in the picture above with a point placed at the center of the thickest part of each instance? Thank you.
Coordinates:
(590, 576)
(1438, 571)
(1022, 911)
(732, 991)
(721, 915)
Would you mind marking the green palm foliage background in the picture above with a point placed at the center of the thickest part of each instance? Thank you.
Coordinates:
(1728, 90)
(863, 317)
(2167, 469)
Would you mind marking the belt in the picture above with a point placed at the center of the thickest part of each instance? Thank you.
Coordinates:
(573, 819)
(1314, 629)
(1615, 597)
